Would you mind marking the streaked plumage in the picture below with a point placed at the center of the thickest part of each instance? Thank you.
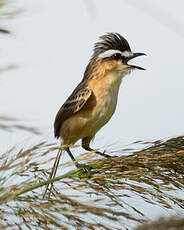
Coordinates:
(72, 105)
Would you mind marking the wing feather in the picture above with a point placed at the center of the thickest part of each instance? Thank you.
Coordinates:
(72, 105)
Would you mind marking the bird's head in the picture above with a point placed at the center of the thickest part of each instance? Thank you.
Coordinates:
(113, 47)
(112, 53)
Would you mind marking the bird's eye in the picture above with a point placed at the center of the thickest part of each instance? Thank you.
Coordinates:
(116, 56)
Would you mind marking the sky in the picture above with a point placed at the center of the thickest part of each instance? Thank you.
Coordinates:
(51, 45)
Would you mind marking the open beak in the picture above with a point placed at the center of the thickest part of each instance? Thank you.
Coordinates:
(134, 56)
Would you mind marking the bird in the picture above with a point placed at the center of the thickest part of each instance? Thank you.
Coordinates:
(94, 100)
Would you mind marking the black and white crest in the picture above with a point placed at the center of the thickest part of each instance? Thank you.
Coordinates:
(111, 43)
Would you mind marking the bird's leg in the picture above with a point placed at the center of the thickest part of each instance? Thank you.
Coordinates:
(85, 145)
(102, 154)
(86, 168)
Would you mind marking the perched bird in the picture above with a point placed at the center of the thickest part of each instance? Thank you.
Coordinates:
(93, 101)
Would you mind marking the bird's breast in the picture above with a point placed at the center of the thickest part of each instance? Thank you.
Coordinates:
(106, 93)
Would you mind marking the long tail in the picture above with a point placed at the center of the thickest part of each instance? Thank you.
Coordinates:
(53, 173)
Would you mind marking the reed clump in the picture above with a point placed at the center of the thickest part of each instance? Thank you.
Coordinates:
(152, 176)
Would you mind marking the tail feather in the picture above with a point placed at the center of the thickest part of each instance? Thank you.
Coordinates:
(53, 173)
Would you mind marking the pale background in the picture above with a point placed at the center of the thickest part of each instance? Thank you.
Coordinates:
(51, 44)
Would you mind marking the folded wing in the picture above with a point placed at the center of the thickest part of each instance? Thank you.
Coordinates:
(73, 104)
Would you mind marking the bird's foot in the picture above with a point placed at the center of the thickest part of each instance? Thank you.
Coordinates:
(105, 155)
(86, 168)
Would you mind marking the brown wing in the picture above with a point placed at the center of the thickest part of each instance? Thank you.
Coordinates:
(72, 105)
